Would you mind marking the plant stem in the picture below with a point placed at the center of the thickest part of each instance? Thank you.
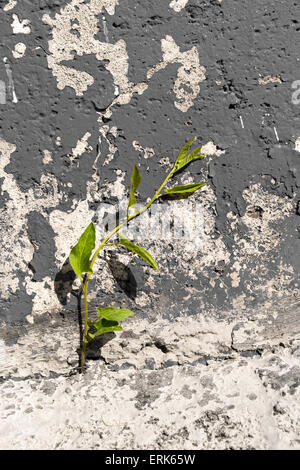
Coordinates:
(103, 244)
(86, 327)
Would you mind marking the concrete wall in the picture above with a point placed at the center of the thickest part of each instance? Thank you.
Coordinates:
(92, 87)
(87, 89)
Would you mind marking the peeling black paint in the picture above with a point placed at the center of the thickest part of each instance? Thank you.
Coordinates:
(238, 42)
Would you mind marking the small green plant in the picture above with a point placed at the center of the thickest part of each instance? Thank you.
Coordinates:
(82, 258)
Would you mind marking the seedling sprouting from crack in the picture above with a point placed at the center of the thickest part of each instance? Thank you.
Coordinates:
(82, 258)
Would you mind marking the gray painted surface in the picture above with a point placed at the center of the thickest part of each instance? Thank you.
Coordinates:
(251, 119)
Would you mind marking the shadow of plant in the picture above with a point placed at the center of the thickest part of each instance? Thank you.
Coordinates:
(93, 350)
(123, 276)
(63, 282)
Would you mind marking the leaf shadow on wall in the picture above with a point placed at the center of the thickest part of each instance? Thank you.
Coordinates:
(63, 282)
(122, 275)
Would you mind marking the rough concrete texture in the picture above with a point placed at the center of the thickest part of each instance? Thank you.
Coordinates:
(87, 89)
(197, 383)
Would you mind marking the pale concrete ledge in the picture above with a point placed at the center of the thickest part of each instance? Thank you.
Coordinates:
(195, 383)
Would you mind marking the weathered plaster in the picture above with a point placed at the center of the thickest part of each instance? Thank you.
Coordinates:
(14, 237)
(20, 253)
(196, 383)
(262, 211)
(227, 253)
(94, 88)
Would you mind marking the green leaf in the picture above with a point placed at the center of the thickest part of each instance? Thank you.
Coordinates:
(139, 251)
(185, 188)
(104, 326)
(135, 182)
(115, 314)
(185, 150)
(80, 254)
(194, 155)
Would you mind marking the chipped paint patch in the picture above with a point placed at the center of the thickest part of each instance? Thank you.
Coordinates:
(189, 75)
(297, 145)
(105, 131)
(262, 212)
(43, 295)
(263, 215)
(11, 86)
(214, 249)
(58, 141)
(235, 274)
(65, 43)
(178, 5)
(239, 302)
(20, 26)
(263, 209)
(211, 149)
(10, 5)
(270, 79)
(14, 240)
(201, 251)
(14, 237)
(79, 37)
(82, 146)
(47, 157)
(19, 50)
(147, 151)
(117, 189)
(68, 227)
